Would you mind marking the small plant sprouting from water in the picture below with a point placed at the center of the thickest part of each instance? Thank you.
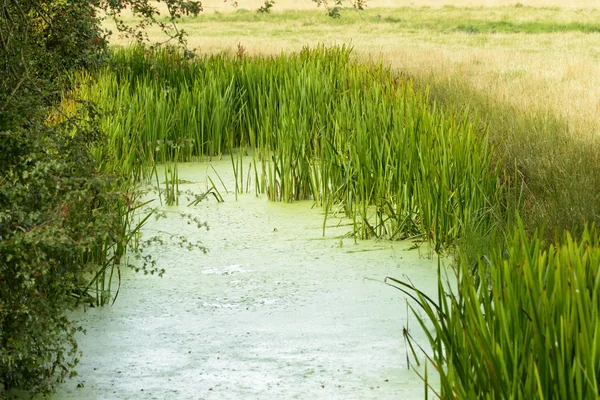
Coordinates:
(202, 196)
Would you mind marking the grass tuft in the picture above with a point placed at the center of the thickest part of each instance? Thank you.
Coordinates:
(523, 322)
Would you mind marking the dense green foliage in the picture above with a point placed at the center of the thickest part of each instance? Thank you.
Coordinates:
(523, 323)
(64, 225)
(320, 127)
(57, 214)
(50, 194)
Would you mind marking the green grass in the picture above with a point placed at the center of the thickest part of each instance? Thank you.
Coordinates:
(482, 26)
(523, 322)
(320, 126)
(443, 20)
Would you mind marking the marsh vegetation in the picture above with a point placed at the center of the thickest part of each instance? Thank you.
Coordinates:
(538, 149)
(439, 124)
(355, 137)
(320, 126)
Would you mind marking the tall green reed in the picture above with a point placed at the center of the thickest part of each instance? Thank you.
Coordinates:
(522, 323)
(115, 195)
(321, 126)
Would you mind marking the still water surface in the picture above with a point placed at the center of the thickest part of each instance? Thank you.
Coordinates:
(274, 310)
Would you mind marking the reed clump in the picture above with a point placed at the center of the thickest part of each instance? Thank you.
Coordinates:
(320, 126)
(523, 322)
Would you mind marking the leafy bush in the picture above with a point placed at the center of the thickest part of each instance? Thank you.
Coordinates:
(55, 212)
(62, 222)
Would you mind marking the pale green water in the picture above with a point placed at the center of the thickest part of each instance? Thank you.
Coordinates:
(273, 311)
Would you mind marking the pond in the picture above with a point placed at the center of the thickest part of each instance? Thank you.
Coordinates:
(275, 309)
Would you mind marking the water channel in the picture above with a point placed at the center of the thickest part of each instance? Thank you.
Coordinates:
(274, 310)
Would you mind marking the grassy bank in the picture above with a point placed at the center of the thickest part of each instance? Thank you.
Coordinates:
(346, 135)
(555, 176)
(515, 86)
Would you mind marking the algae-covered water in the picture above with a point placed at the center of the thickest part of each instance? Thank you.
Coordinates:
(274, 310)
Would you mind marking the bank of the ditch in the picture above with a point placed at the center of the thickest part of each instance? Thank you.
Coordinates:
(274, 310)
(358, 139)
